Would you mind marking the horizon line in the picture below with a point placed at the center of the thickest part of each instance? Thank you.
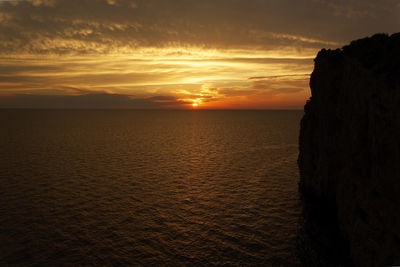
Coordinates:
(160, 109)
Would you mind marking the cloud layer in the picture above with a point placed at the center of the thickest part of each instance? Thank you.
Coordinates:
(187, 50)
(90, 100)
(85, 26)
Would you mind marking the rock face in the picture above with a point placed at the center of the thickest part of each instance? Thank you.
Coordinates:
(349, 157)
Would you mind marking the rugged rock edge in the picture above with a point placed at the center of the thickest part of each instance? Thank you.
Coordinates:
(349, 158)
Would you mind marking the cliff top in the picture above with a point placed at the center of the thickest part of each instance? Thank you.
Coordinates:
(371, 51)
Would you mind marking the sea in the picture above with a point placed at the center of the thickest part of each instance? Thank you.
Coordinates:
(149, 187)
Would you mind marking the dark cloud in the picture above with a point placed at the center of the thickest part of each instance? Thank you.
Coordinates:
(93, 26)
(269, 86)
(89, 101)
(87, 78)
(278, 77)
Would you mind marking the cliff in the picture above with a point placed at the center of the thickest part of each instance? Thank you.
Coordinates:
(349, 158)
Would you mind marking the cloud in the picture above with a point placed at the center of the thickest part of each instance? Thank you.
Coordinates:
(103, 26)
(279, 77)
(269, 86)
(111, 2)
(160, 74)
(37, 3)
(89, 101)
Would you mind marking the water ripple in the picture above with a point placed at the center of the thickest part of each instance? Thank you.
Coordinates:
(148, 187)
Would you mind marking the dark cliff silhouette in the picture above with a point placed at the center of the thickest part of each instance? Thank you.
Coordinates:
(349, 157)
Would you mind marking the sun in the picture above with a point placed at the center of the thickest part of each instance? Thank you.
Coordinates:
(196, 102)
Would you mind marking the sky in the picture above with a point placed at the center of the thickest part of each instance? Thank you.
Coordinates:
(203, 54)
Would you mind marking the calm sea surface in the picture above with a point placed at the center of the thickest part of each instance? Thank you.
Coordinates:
(148, 187)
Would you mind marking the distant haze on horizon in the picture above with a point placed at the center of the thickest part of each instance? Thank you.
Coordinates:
(234, 54)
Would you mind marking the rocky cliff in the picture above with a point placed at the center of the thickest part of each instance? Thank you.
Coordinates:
(349, 157)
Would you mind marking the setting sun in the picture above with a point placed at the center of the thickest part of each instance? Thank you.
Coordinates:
(195, 105)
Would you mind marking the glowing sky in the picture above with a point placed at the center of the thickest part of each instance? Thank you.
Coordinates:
(173, 53)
